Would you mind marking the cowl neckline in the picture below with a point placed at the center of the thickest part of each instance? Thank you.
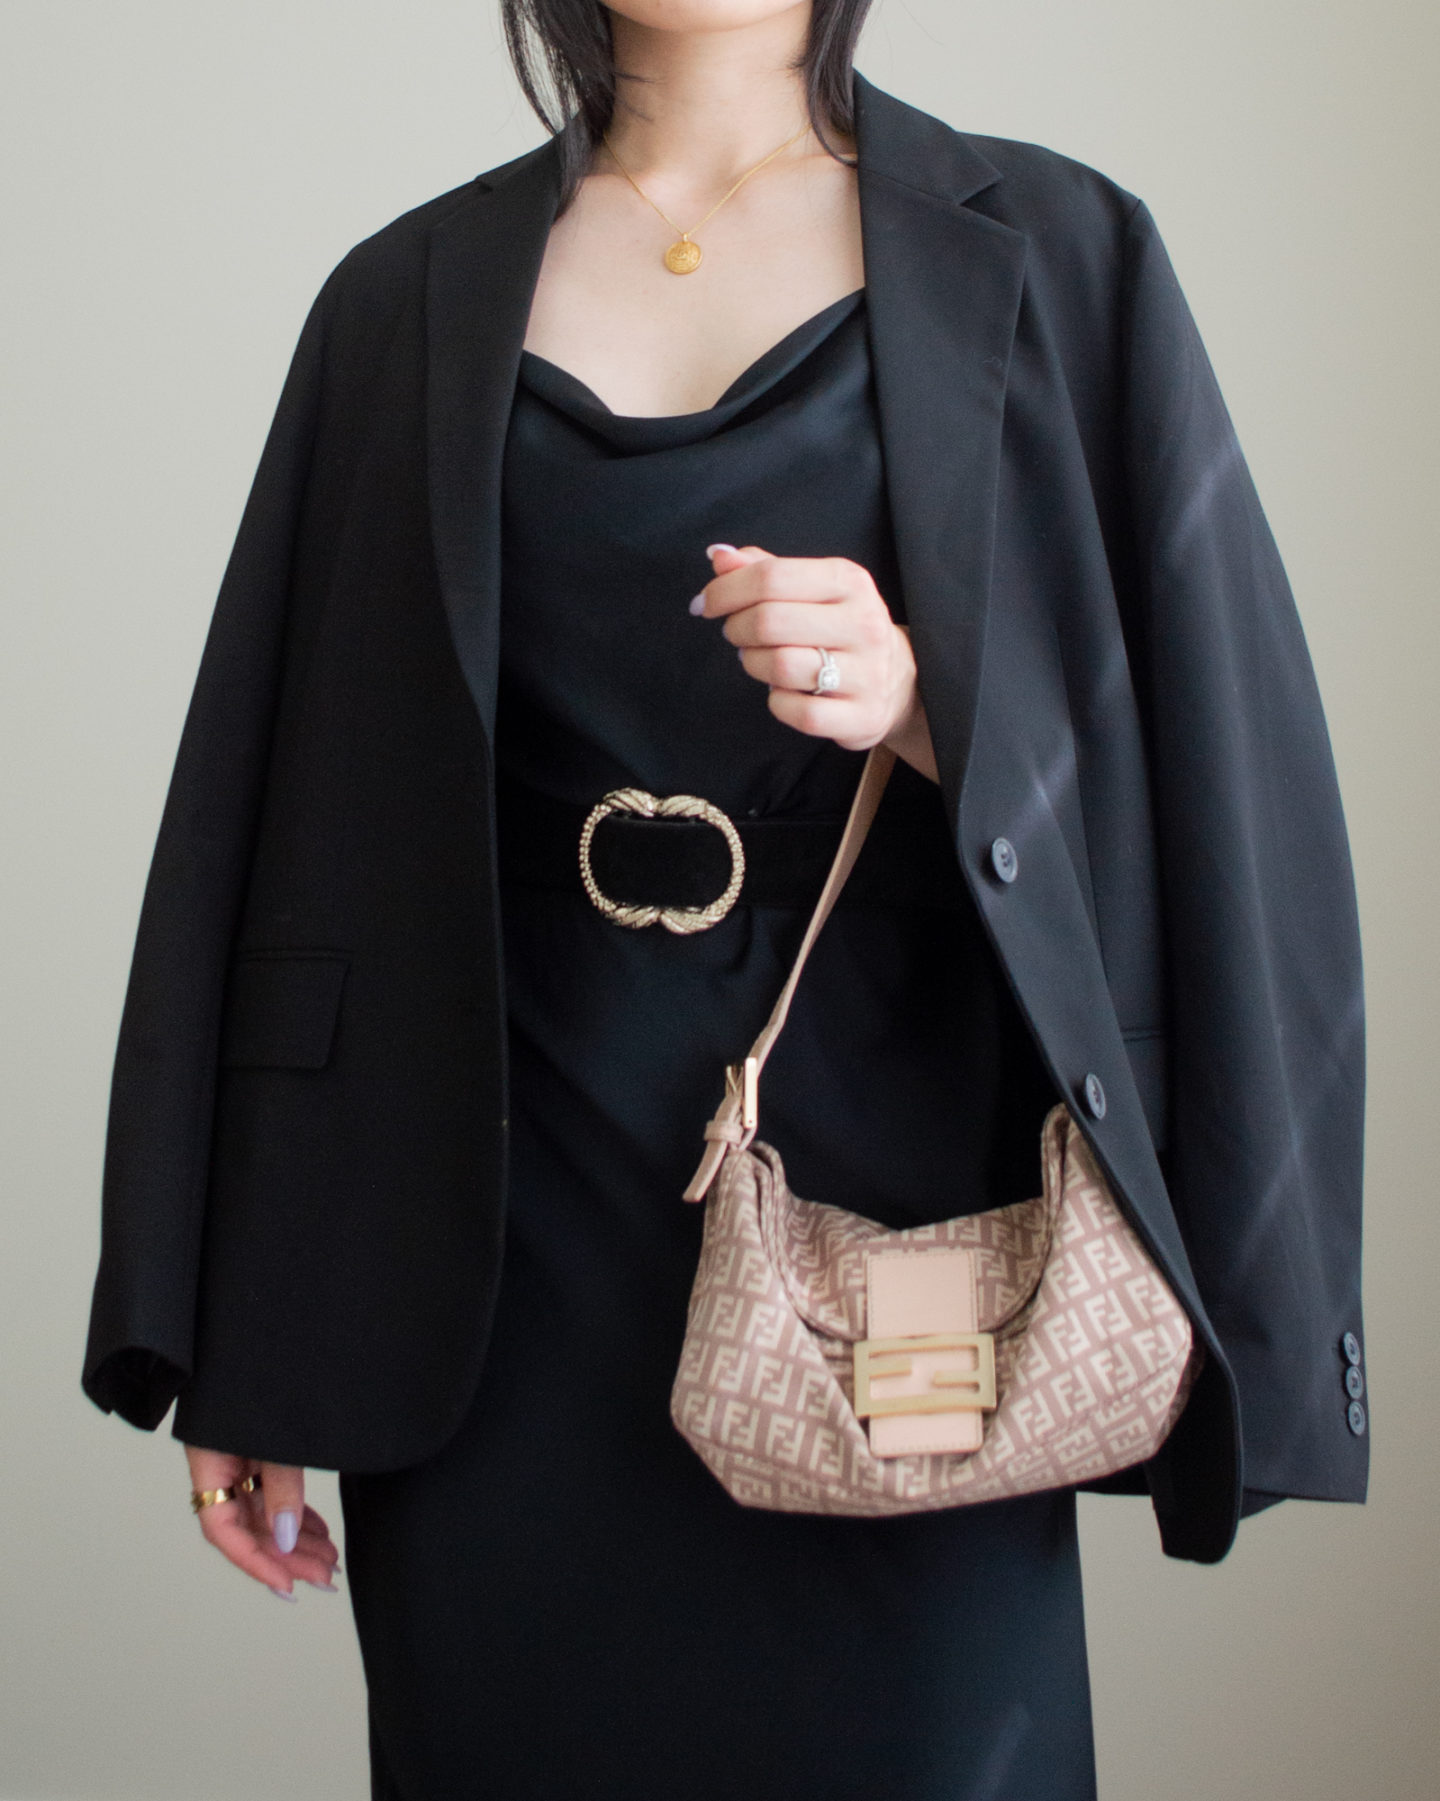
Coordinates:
(664, 431)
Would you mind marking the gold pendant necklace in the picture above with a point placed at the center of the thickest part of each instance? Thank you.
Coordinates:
(683, 256)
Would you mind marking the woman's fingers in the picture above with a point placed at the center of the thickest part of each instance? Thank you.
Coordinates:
(767, 624)
(850, 724)
(780, 612)
(797, 606)
(749, 575)
(268, 1532)
(795, 666)
(230, 1527)
(313, 1563)
(856, 714)
(315, 1556)
(299, 1538)
(769, 600)
(283, 1491)
(311, 1522)
(237, 1529)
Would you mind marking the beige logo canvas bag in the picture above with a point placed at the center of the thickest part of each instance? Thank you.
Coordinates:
(831, 1365)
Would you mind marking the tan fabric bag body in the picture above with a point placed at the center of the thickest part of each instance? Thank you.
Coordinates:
(831, 1365)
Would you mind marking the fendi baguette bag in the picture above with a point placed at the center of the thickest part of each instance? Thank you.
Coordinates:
(831, 1365)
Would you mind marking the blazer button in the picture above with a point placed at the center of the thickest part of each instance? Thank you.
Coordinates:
(1095, 1096)
(1350, 1347)
(1354, 1381)
(1003, 860)
(1355, 1418)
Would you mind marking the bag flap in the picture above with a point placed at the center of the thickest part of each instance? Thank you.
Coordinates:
(820, 1251)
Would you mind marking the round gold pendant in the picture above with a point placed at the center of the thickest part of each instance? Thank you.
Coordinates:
(682, 256)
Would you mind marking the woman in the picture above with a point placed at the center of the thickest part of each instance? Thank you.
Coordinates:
(402, 1113)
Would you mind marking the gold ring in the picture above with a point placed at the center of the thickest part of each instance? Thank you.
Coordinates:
(673, 806)
(212, 1497)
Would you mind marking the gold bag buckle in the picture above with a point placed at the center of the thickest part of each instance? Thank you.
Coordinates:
(953, 1390)
(671, 806)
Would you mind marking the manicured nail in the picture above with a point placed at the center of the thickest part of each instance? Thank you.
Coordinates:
(287, 1531)
(710, 549)
(285, 1594)
(697, 606)
(326, 1588)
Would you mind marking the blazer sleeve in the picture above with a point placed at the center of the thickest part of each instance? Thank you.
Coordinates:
(1263, 1159)
(141, 1329)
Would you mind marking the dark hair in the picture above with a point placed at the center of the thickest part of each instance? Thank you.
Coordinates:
(564, 57)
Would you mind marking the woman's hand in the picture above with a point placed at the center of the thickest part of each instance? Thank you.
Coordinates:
(269, 1533)
(780, 612)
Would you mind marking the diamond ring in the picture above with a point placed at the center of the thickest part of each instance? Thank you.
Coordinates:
(828, 680)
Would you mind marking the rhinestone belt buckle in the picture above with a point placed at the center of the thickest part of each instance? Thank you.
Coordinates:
(671, 806)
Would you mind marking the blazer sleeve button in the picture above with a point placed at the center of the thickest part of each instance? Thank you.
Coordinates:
(1355, 1418)
(1095, 1096)
(1354, 1381)
(1003, 860)
(1350, 1347)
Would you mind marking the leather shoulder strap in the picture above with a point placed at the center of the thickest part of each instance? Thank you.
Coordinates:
(736, 1118)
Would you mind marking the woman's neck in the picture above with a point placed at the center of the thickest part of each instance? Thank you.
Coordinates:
(711, 104)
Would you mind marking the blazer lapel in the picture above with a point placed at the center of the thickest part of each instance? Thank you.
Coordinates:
(942, 296)
(943, 287)
(484, 262)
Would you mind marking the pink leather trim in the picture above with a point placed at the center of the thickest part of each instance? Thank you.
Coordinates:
(911, 1292)
(873, 777)
(908, 1293)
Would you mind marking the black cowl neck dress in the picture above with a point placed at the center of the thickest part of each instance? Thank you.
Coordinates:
(563, 1604)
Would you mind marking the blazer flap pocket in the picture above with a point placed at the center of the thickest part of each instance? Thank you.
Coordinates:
(280, 1010)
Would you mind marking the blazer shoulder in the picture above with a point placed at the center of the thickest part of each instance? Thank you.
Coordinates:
(378, 287)
(400, 246)
(1042, 190)
(403, 241)
(1080, 227)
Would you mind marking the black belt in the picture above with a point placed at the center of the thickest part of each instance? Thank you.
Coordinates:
(907, 860)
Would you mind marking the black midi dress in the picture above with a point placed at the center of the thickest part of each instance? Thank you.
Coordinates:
(564, 1602)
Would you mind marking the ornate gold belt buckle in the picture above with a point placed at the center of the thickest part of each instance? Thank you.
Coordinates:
(671, 806)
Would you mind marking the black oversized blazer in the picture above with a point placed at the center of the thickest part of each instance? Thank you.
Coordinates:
(305, 1162)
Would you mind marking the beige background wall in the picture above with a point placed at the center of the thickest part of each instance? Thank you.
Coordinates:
(179, 177)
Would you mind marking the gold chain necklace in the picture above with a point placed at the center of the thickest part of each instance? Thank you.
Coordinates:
(684, 254)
